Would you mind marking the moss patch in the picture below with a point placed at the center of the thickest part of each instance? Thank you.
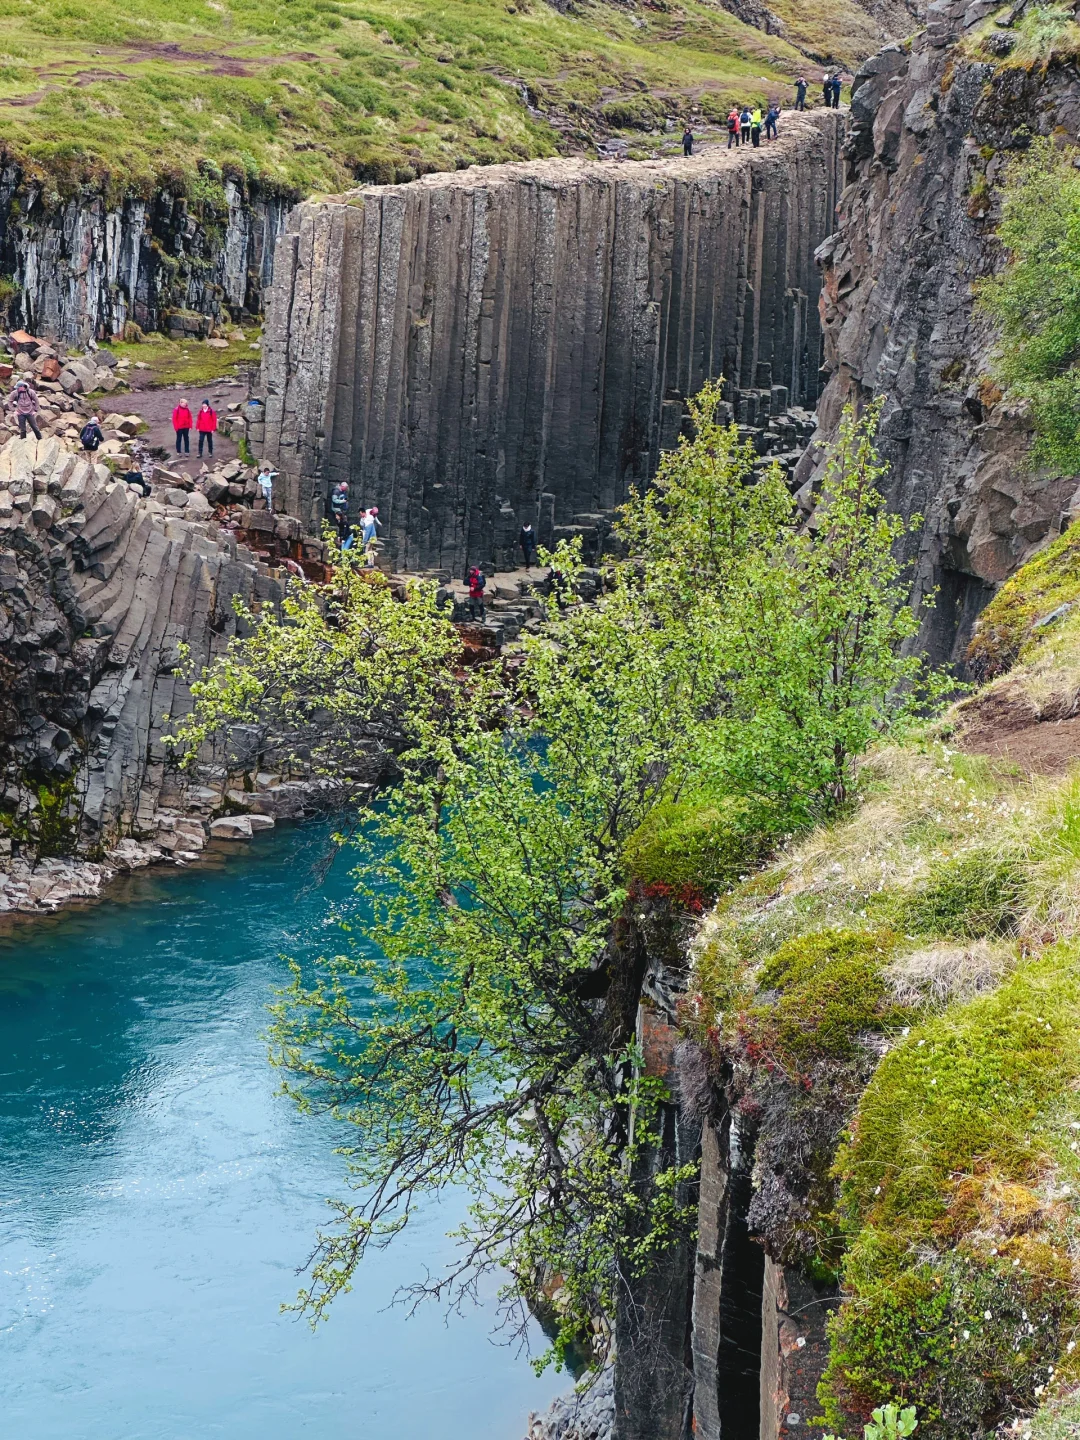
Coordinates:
(829, 990)
(697, 847)
(1009, 625)
(958, 1282)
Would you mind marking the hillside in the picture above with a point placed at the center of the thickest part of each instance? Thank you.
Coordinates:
(307, 97)
(896, 1002)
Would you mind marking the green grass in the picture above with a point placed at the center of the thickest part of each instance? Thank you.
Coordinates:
(187, 362)
(307, 95)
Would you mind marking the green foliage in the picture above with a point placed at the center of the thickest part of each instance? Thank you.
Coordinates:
(964, 1337)
(800, 635)
(1036, 299)
(1006, 628)
(976, 893)
(958, 1283)
(830, 990)
(481, 1031)
(889, 1422)
(312, 98)
(697, 846)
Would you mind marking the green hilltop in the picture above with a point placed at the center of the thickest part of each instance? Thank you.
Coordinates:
(311, 95)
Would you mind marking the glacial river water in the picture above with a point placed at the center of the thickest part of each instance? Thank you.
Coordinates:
(156, 1196)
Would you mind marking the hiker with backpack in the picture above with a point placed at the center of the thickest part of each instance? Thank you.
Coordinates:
(733, 127)
(181, 424)
(746, 120)
(772, 116)
(476, 581)
(206, 425)
(24, 402)
(90, 437)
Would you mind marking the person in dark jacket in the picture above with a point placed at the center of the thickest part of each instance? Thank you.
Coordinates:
(836, 87)
(24, 402)
(800, 93)
(771, 117)
(688, 141)
(90, 435)
(527, 541)
(826, 89)
(206, 425)
(339, 508)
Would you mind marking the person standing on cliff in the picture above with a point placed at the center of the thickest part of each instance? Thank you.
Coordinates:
(771, 118)
(339, 508)
(826, 89)
(206, 425)
(800, 93)
(733, 127)
(745, 121)
(527, 541)
(837, 84)
(476, 581)
(755, 127)
(265, 482)
(24, 402)
(688, 141)
(181, 424)
(370, 525)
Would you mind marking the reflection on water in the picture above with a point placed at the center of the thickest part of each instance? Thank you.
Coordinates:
(156, 1197)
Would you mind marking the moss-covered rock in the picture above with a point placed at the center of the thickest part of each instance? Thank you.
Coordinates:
(1047, 586)
(695, 848)
(958, 1192)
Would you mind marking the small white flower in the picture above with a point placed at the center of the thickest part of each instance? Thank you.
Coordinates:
(986, 1315)
(1015, 1264)
(1070, 1347)
(967, 1334)
(907, 1031)
(934, 1081)
(801, 1341)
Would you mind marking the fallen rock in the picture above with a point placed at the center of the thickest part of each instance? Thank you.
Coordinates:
(260, 822)
(217, 344)
(231, 827)
(50, 369)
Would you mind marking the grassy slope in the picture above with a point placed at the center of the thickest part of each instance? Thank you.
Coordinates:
(948, 1195)
(303, 93)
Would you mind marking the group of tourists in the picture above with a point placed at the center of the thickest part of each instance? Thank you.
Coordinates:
(369, 526)
(745, 126)
(206, 423)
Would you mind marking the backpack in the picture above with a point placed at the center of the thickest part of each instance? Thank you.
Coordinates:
(89, 435)
(732, 122)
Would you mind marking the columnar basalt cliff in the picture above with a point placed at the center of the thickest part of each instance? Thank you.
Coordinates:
(85, 266)
(932, 125)
(515, 343)
(98, 590)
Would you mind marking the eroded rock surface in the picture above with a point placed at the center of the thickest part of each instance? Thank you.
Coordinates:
(932, 126)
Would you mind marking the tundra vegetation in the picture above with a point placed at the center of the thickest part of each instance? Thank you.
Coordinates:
(1036, 298)
(642, 751)
(311, 95)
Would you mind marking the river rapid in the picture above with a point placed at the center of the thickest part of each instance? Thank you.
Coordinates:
(156, 1197)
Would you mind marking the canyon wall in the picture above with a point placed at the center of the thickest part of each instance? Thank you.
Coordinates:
(99, 589)
(85, 266)
(933, 122)
(473, 350)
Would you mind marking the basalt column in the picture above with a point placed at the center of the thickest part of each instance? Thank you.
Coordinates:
(515, 342)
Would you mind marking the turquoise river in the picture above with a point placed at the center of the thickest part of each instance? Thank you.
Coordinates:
(157, 1197)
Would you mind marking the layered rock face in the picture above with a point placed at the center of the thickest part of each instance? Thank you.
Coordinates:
(84, 267)
(98, 589)
(931, 127)
(473, 350)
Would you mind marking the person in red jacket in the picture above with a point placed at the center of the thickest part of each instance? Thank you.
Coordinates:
(181, 423)
(206, 425)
